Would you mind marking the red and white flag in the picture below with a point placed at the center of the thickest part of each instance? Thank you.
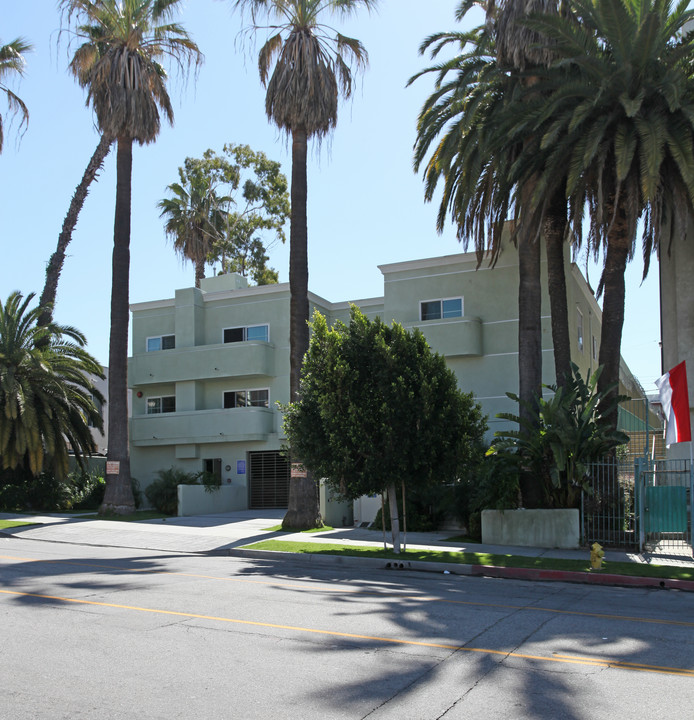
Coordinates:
(674, 397)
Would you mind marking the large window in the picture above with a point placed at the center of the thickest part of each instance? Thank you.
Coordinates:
(161, 342)
(248, 333)
(247, 398)
(438, 309)
(164, 404)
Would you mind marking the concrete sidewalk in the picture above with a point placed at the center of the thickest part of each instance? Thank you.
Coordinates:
(226, 533)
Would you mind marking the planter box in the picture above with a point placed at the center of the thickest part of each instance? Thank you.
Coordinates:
(531, 528)
(194, 500)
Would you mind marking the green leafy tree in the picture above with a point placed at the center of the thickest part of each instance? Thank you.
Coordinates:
(242, 203)
(615, 115)
(378, 408)
(572, 430)
(310, 64)
(118, 61)
(12, 64)
(46, 395)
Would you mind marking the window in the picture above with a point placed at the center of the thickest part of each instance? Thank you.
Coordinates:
(579, 329)
(245, 334)
(161, 342)
(247, 398)
(165, 404)
(595, 348)
(437, 309)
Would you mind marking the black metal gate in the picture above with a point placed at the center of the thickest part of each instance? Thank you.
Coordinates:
(268, 480)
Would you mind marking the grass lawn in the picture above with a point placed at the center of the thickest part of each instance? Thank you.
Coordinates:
(472, 558)
(4, 524)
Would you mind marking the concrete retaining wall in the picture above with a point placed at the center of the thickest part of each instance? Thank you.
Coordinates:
(531, 528)
(193, 500)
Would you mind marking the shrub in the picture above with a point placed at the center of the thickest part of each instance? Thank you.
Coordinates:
(88, 489)
(163, 492)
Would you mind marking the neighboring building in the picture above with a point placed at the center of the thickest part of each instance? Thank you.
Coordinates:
(209, 365)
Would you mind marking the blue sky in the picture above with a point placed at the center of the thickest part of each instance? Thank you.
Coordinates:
(366, 204)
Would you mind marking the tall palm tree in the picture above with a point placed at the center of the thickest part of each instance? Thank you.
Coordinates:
(192, 218)
(310, 65)
(460, 141)
(12, 64)
(57, 260)
(118, 62)
(622, 126)
(46, 395)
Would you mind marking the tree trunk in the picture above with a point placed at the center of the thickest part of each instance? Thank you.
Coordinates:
(529, 341)
(55, 264)
(303, 512)
(394, 519)
(118, 497)
(199, 272)
(616, 257)
(554, 229)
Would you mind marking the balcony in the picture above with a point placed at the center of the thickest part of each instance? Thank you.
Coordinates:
(203, 426)
(453, 337)
(204, 362)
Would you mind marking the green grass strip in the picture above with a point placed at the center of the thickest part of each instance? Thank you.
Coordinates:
(471, 558)
(4, 524)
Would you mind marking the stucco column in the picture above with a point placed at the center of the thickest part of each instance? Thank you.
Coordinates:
(677, 315)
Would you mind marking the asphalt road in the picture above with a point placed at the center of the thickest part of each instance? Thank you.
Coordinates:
(107, 633)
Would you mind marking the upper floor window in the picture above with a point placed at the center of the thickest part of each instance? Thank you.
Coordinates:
(161, 342)
(165, 404)
(579, 329)
(247, 398)
(595, 348)
(250, 332)
(438, 309)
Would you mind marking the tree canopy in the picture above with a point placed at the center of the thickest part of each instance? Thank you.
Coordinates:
(377, 407)
(12, 64)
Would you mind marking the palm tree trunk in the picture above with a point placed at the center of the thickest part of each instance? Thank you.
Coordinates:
(55, 264)
(298, 261)
(529, 341)
(616, 259)
(303, 512)
(118, 497)
(554, 229)
(199, 272)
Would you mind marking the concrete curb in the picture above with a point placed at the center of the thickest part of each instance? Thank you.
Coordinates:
(471, 570)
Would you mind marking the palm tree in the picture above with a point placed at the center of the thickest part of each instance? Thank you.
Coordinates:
(57, 260)
(12, 63)
(459, 125)
(46, 396)
(311, 69)
(193, 220)
(118, 62)
(616, 114)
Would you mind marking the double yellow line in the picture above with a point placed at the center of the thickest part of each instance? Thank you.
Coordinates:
(566, 659)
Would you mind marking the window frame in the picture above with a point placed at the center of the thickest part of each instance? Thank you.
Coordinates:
(161, 399)
(247, 391)
(161, 340)
(580, 334)
(245, 329)
(441, 302)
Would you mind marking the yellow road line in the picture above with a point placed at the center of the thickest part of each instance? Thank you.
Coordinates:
(564, 659)
(362, 593)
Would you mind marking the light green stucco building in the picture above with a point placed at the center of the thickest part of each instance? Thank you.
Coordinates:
(209, 365)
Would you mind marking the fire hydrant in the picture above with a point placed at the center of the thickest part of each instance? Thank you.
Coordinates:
(596, 556)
